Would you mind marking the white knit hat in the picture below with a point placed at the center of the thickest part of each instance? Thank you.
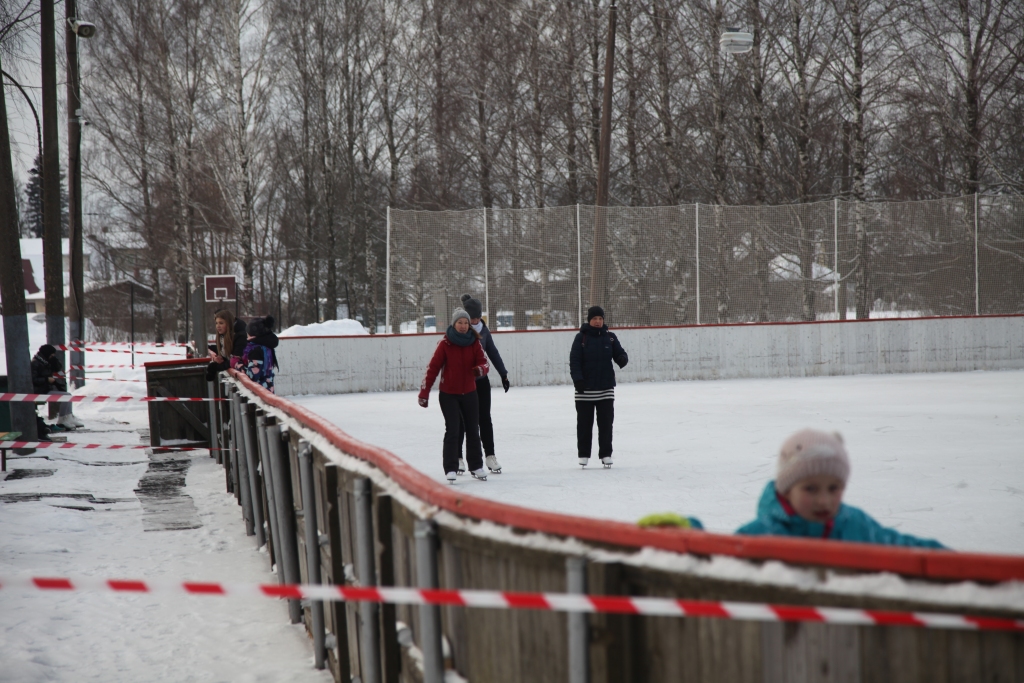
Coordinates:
(810, 453)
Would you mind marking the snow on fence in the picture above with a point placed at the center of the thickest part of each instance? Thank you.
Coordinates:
(332, 510)
(337, 365)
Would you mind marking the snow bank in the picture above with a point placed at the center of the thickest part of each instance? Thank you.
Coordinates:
(328, 328)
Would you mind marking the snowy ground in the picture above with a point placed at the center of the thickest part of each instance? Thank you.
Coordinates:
(89, 520)
(938, 455)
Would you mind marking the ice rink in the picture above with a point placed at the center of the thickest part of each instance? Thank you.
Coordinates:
(938, 455)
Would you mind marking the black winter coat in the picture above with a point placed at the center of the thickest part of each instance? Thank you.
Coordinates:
(41, 374)
(238, 341)
(590, 360)
(487, 341)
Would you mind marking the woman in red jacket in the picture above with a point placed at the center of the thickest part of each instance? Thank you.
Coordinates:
(460, 355)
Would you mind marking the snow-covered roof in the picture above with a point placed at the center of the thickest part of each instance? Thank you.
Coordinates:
(33, 246)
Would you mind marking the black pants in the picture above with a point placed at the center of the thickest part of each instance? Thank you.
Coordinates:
(585, 426)
(483, 395)
(459, 409)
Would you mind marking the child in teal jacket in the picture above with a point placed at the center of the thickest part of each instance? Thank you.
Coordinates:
(806, 497)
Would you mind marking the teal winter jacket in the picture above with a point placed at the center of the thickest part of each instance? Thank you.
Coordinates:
(851, 524)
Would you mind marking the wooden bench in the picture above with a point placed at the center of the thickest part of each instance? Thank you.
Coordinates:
(6, 436)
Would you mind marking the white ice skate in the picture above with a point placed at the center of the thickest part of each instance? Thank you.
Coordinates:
(584, 462)
(480, 474)
(462, 466)
(68, 422)
(450, 476)
(493, 465)
(607, 462)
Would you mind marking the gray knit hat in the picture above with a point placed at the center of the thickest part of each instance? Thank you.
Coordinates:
(459, 313)
(810, 453)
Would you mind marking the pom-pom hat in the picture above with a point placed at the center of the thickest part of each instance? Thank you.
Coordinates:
(473, 306)
(459, 313)
(810, 453)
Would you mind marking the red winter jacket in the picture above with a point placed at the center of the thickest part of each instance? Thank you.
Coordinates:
(459, 363)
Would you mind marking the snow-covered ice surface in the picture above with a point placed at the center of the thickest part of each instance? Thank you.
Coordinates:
(102, 637)
(936, 455)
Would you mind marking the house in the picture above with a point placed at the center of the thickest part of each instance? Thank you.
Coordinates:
(32, 272)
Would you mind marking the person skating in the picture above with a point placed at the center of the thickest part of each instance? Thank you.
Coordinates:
(258, 360)
(48, 378)
(483, 385)
(593, 377)
(462, 358)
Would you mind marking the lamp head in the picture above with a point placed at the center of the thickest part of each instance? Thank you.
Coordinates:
(83, 29)
(735, 41)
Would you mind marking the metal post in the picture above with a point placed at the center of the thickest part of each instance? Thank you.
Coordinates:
(835, 238)
(579, 268)
(579, 636)
(430, 615)
(369, 629)
(387, 279)
(249, 438)
(696, 229)
(269, 473)
(487, 279)
(131, 289)
(977, 290)
(234, 452)
(288, 565)
(242, 480)
(214, 440)
(316, 607)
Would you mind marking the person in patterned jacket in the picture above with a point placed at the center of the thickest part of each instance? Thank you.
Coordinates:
(258, 360)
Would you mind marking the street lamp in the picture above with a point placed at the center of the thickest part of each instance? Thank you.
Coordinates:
(735, 41)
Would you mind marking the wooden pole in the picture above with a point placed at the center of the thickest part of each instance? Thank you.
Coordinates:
(53, 258)
(598, 266)
(76, 300)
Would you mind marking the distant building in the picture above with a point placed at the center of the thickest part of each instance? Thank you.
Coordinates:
(33, 275)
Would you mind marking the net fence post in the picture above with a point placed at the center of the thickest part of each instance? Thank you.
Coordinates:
(835, 246)
(977, 292)
(487, 273)
(696, 249)
(387, 276)
(579, 269)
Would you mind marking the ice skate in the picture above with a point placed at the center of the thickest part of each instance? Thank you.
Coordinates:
(493, 465)
(450, 476)
(584, 461)
(462, 466)
(606, 461)
(480, 474)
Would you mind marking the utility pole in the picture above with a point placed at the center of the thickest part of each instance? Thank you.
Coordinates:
(76, 310)
(599, 262)
(53, 258)
(12, 288)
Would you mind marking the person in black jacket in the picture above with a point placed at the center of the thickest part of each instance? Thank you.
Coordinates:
(229, 341)
(590, 365)
(48, 378)
(259, 360)
(483, 385)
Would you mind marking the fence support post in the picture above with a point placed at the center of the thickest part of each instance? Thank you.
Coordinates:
(248, 425)
(269, 474)
(579, 269)
(696, 232)
(387, 277)
(977, 291)
(211, 392)
(430, 615)
(487, 278)
(288, 566)
(316, 607)
(242, 480)
(579, 635)
(369, 640)
(835, 261)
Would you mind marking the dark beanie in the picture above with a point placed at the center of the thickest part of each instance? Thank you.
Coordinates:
(594, 310)
(46, 350)
(258, 326)
(472, 306)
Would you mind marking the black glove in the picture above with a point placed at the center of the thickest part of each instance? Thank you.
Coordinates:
(579, 386)
(505, 383)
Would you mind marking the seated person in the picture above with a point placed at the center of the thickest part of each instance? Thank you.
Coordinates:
(48, 378)
(806, 498)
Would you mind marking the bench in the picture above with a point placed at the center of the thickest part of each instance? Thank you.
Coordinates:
(6, 436)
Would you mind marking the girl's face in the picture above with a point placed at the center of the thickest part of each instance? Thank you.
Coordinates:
(597, 322)
(816, 499)
(462, 325)
(222, 326)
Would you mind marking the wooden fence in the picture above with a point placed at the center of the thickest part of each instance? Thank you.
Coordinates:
(333, 510)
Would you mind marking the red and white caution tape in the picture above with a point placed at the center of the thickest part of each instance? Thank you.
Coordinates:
(93, 349)
(78, 342)
(100, 446)
(97, 367)
(561, 602)
(66, 398)
(99, 379)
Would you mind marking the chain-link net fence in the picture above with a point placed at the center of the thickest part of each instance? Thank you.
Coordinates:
(701, 264)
